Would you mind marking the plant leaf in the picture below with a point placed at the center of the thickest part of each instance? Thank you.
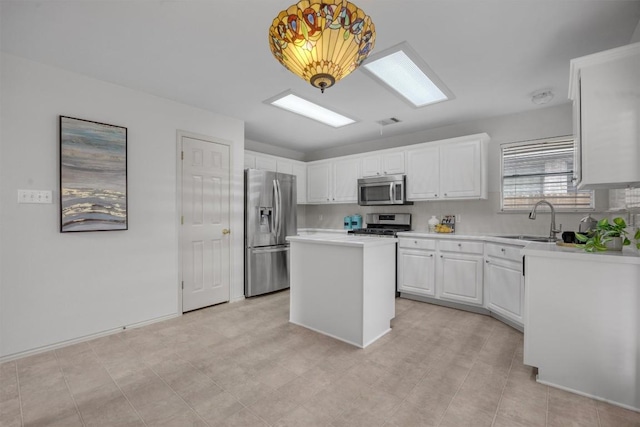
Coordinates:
(581, 237)
(619, 222)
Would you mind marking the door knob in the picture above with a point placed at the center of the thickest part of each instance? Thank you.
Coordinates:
(226, 231)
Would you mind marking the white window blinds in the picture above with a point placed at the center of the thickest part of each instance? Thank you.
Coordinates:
(541, 170)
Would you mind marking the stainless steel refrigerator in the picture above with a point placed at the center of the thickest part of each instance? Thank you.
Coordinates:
(270, 203)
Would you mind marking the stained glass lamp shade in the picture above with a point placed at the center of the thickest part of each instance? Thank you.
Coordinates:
(322, 41)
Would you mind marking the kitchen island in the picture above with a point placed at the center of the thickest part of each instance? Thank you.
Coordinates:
(582, 321)
(343, 286)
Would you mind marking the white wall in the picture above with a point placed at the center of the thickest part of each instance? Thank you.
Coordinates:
(56, 287)
(636, 34)
(261, 147)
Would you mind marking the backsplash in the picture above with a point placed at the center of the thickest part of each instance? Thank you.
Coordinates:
(473, 216)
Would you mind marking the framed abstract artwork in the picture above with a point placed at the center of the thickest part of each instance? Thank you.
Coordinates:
(93, 176)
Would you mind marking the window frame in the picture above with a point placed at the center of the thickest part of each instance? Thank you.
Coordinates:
(551, 140)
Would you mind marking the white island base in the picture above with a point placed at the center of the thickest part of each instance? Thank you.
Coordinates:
(343, 286)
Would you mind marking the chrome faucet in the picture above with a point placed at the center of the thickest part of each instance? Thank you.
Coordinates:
(552, 231)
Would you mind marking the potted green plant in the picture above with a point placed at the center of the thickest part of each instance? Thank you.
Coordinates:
(607, 236)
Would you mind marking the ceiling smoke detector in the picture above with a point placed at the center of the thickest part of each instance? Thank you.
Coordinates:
(542, 96)
(389, 121)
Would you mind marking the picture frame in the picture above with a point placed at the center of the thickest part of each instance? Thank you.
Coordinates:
(93, 176)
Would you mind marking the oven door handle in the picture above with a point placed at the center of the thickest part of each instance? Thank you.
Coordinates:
(392, 190)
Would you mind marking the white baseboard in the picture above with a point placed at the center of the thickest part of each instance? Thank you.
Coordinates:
(90, 337)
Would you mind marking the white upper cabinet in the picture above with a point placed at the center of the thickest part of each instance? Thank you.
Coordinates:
(319, 182)
(300, 171)
(345, 180)
(389, 163)
(451, 169)
(249, 161)
(605, 89)
(461, 170)
(333, 181)
(266, 163)
(423, 173)
(284, 166)
(253, 160)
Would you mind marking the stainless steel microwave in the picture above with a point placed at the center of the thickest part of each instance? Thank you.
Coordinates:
(383, 190)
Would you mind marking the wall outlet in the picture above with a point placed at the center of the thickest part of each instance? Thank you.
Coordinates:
(35, 196)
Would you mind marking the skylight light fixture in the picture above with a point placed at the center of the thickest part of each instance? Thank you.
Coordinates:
(401, 69)
(293, 103)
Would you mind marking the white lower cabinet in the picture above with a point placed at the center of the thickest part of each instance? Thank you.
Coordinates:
(460, 277)
(442, 269)
(486, 277)
(417, 266)
(503, 281)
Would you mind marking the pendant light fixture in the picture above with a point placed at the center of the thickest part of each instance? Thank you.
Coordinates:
(322, 41)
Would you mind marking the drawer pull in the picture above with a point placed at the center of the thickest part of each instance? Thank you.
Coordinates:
(459, 245)
(502, 249)
(487, 261)
(431, 255)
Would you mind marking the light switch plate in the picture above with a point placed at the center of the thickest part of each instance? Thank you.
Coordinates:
(35, 196)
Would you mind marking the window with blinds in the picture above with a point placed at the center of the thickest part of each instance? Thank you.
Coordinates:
(541, 170)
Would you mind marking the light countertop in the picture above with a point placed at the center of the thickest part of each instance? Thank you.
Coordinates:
(343, 239)
(628, 255)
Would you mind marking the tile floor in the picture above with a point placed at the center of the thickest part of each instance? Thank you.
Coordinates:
(243, 364)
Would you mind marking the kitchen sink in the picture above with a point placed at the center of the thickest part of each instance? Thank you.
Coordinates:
(530, 238)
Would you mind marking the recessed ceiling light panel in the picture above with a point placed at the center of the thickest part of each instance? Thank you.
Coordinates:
(402, 70)
(295, 104)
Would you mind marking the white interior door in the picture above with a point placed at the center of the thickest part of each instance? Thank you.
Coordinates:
(206, 178)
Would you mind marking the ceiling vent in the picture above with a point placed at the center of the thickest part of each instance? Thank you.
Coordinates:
(389, 121)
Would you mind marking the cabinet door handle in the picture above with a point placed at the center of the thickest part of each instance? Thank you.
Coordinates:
(435, 195)
(441, 256)
(487, 261)
(445, 194)
(431, 255)
(502, 249)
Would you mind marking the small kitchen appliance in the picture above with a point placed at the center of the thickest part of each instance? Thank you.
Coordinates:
(587, 224)
(347, 222)
(383, 190)
(384, 224)
(356, 222)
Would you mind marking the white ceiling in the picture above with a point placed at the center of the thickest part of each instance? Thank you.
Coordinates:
(492, 54)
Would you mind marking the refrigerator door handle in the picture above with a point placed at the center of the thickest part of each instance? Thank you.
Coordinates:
(268, 250)
(279, 208)
(276, 211)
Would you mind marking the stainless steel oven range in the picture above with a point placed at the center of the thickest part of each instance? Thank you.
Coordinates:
(384, 224)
